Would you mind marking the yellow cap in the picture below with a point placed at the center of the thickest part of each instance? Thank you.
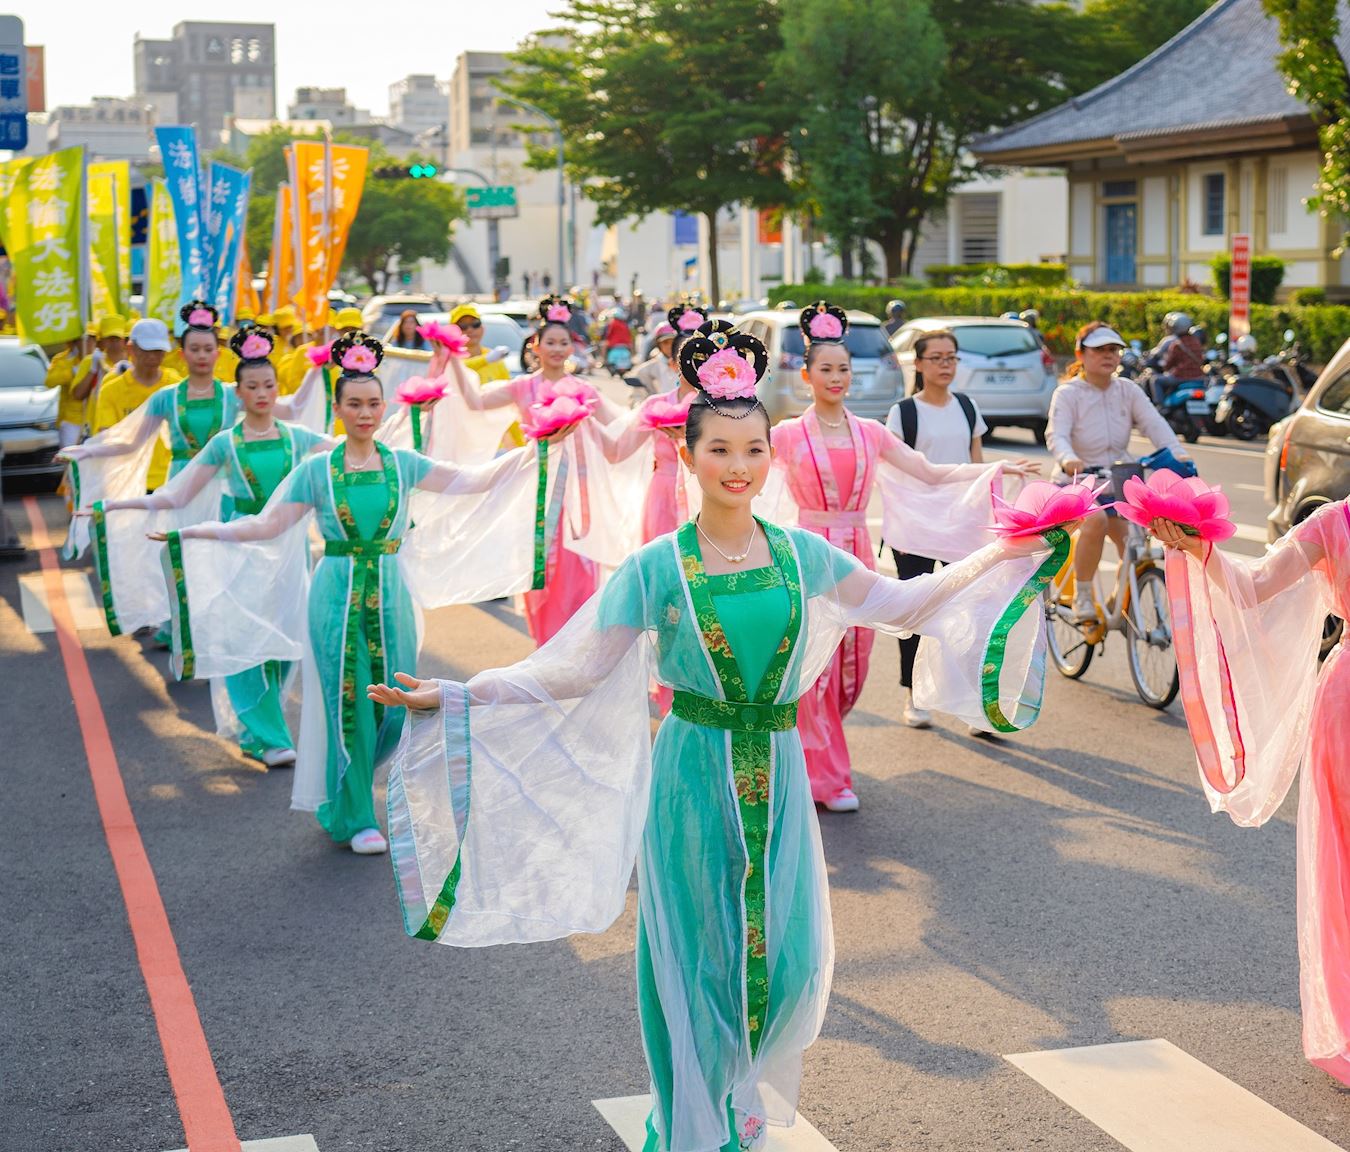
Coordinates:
(91, 329)
(134, 316)
(265, 319)
(243, 314)
(284, 317)
(348, 318)
(462, 311)
(110, 326)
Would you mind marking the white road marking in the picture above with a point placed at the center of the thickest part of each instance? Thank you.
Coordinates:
(79, 595)
(303, 1143)
(1153, 1097)
(627, 1115)
(1252, 488)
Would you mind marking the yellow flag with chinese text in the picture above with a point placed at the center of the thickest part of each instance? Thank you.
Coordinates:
(163, 276)
(120, 173)
(43, 230)
(104, 291)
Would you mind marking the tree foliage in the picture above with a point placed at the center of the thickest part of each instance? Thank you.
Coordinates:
(664, 104)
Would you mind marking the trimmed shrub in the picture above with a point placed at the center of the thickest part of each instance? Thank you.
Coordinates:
(1309, 296)
(995, 275)
(1267, 276)
(1321, 329)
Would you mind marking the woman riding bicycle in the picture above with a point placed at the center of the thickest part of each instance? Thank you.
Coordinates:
(1092, 416)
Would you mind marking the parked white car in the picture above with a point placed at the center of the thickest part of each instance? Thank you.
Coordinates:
(1003, 367)
(27, 412)
(877, 383)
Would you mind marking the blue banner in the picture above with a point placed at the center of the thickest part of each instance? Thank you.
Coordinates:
(227, 213)
(183, 177)
(686, 228)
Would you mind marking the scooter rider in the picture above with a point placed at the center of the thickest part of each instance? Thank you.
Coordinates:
(1179, 358)
(895, 317)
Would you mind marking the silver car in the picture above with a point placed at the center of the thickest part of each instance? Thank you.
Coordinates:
(27, 412)
(1004, 367)
(877, 382)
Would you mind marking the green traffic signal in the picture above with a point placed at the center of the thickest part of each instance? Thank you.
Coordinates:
(422, 171)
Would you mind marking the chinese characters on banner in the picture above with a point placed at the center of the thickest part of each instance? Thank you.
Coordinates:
(182, 177)
(13, 85)
(226, 215)
(43, 232)
(120, 172)
(104, 290)
(326, 182)
(163, 281)
(1240, 288)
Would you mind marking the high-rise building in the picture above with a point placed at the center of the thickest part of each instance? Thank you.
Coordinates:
(214, 71)
(478, 118)
(418, 103)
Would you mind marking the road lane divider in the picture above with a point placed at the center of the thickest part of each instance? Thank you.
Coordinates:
(207, 1123)
(627, 1115)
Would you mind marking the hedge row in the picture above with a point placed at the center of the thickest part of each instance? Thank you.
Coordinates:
(1038, 275)
(1320, 329)
(1267, 276)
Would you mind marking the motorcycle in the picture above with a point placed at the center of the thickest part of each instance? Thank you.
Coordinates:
(618, 359)
(1190, 409)
(1252, 403)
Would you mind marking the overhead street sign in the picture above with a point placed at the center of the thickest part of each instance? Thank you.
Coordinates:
(496, 203)
(13, 85)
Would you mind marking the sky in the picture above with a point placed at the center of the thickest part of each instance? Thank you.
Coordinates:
(360, 45)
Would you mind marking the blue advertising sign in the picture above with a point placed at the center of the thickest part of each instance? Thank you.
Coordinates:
(13, 86)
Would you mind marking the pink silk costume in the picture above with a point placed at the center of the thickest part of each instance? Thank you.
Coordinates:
(1247, 636)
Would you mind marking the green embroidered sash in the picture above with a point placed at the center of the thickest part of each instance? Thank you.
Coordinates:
(732, 716)
(752, 724)
(180, 403)
(99, 530)
(363, 604)
(180, 621)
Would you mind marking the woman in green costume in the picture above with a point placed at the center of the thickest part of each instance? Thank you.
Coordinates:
(244, 465)
(519, 800)
(241, 593)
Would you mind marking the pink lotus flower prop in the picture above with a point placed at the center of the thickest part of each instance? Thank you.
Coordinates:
(1041, 506)
(727, 375)
(255, 348)
(660, 413)
(1200, 509)
(690, 321)
(419, 390)
(555, 415)
(201, 318)
(320, 354)
(572, 388)
(826, 327)
(448, 336)
(359, 358)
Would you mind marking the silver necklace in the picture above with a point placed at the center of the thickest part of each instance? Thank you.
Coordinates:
(352, 467)
(729, 559)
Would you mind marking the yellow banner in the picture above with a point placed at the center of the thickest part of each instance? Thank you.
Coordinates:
(163, 276)
(281, 260)
(349, 178)
(43, 209)
(104, 293)
(327, 180)
(245, 296)
(120, 173)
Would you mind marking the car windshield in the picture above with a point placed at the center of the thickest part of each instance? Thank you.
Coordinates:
(864, 341)
(995, 339)
(20, 369)
(391, 312)
(502, 330)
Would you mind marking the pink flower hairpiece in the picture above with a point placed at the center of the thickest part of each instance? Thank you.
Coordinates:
(449, 336)
(555, 415)
(1200, 509)
(661, 413)
(255, 347)
(201, 318)
(1041, 506)
(824, 326)
(419, 390)
(320, 354)
(727, 375)
(359, 358)
(690, 321)
(560, 313)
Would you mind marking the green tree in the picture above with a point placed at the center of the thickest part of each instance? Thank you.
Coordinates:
(1316, 73)
(1118, 33)
(664, 104)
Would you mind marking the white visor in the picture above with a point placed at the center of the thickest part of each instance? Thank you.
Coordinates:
(1101, 337)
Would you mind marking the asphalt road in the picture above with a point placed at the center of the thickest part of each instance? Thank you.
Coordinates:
(1063, 887)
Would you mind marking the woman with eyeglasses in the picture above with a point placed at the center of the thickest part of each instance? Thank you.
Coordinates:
(1093, 414)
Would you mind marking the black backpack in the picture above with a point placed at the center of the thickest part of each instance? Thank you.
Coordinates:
(909, 416)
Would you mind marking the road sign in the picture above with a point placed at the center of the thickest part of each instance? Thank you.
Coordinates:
(13, 85)
(495, 203)
(1240, 287)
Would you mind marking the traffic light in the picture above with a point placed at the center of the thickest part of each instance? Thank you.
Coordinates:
(422, 171)
(411, 172)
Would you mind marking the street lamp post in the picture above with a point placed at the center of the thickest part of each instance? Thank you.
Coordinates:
(494, 236)
(562, 269)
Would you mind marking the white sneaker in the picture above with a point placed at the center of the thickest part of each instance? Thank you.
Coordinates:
(845, 800)
(915, 717)
(1084, 610)
(279, 757)
(369, 842)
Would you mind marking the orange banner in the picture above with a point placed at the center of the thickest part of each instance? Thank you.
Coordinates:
(349, 178)
(326, 180)
(246, 296)
(281, 260)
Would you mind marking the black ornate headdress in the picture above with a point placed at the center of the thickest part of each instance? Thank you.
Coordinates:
(199, 316)
(357, 354)
(725, 365)
(823, 323)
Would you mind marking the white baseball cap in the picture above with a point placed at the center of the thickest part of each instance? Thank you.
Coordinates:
(1097, 338)
(151, 335)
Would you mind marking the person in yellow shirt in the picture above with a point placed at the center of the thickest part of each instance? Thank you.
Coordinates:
(296, 363)
(121, 394)
(488, 365)
(61, 374)
(109, 356)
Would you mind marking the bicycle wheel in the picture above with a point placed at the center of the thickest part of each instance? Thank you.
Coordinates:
(1069, 649)
(1153, 660)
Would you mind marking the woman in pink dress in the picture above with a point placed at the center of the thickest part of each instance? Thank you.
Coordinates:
(831, 460)
(1247, 636)
(570, 579)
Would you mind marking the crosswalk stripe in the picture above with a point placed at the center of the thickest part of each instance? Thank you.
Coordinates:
(301, 1143)
(37, 616)
(627, 1115)
(1152, 1097)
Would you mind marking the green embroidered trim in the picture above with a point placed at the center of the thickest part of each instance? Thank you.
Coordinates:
(415, 414)
(187, 658)
(327, 374)
(100, 532)
(439, 912)
(180, 414)
(996, 652)
(734, 716)
(541, 521)
(363, 603)
(751, 747)
(257, 497)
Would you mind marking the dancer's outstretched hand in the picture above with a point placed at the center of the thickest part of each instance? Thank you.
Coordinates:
(1172, 535)
(1023, 466)
(419, 695)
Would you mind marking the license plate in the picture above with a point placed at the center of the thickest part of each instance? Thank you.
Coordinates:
(1197, 407)
(1001, 379)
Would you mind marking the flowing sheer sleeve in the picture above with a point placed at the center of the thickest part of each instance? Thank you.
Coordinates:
(305, 406)
(479, 397)
(180, 490)
(1247, 634)
(515, 810)
(606, 492)
(913, 463)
